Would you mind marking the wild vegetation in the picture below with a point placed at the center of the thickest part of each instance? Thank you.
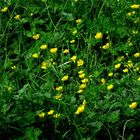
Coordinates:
(70, 70)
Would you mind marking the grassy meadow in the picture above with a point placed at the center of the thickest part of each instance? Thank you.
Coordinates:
(69, 69)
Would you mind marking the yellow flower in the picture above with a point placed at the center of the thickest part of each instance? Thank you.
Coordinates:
(73, 58)
(80, 109)
(85, 80)
(17, 17)
(59, 88)
(66, 51)
(135, 32)
(35, 55)
(13, 67)
(36, 36)
(80, 91)
(74, 32)
(84, 102)
(109, 87)
(137, 55)
(65, 78)
(80, 62)
(59, 96)
(72, 41)
(53, 50)
(82, 75)
(129, 14)
(106, 46)
(110, 74)
(99, 35)
(120, 58)
(82, 86)
(125, 70)
(135, 6)
(4, 9)
(41, 115)
(138, 79)
(51, 112)
(44, 46)
(103, 80)
(56, 116)
(129, 63)
(133, 105)
(78, 21)
(117, 66)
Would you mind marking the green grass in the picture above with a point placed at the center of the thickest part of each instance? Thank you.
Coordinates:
(64, 91)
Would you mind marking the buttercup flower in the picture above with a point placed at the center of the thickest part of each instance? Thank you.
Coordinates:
(44, 46)
(137, 55)
(53, 50)
(117, 66)
(82, 75)
(74, 32)
(80, 91)
(51, 112)
(59, 88)
(133, 105)
(85, 80)
(129, 63)
(13, 67)
(4, 9)
(106, 46)
(35, 55)
(78, 21)
(110, 74)
(65, 78)
(17, 17)
(103, 81)
(73, 58)
(138, 79)
(72, 41)
(59, 96)
(41, 115)
(82, 86)
(99, 35)
(120, 58)
(125, 70)
(109, 87)
(80, 62)
(80, 109)
(66, 51)
(135, 6)
(56, 116)
(36, 36)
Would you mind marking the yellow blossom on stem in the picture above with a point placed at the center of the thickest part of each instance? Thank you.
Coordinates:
(59, 96)
(103, 81)
(80, 109)
(120, 58)
(56, 115)
(35, 55)
(73, 58)
(17, 17)
(65, 78)
(138, 79)
(133, 105)
(82, 86)
(44, 46)
(80, 91)
(110, 74)
(129, 63)
(72, 41)
(51, 112)
(137, 54)
(41, 115)
(109, 87)
(74, 32)
(99, 35)
(59, 88)
(13, 67)
(106, 46)
(80, 62)
(36, 36)
(85, 80)
(78, 21)
(53, 50)
(125, 70)
(117, 66)
(135, 6)
(66, 51)
(5, 9)
(82, 75)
